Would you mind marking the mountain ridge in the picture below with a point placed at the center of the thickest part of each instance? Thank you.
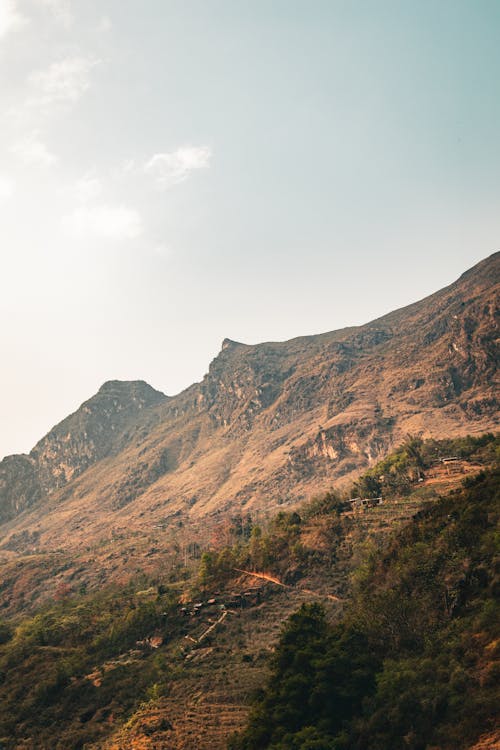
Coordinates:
(267, 418)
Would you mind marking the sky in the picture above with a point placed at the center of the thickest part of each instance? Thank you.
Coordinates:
(174, 172)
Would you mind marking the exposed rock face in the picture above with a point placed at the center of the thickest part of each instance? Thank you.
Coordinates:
(19, 485)
(94, 431)
(274, 421)
(101, 425)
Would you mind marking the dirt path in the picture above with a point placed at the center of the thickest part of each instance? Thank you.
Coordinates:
(212, 627)
(273, 579)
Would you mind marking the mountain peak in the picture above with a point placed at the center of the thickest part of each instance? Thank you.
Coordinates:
(130, 387)
(487, 270)
(230, 344)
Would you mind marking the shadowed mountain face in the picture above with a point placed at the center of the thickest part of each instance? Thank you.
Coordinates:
(269, 423)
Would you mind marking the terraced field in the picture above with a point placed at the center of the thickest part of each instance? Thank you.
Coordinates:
(213, 680)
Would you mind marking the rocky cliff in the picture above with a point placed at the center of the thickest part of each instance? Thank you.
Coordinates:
(102, 425)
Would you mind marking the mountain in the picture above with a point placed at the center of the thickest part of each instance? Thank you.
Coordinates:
(101, 426)
(268, 424)
(148, 561)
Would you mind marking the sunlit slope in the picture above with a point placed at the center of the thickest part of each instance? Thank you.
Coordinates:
(268, 423)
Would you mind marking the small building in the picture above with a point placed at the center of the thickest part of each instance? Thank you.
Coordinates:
(252, 596)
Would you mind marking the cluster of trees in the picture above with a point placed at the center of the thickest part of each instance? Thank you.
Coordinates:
(271, 551)
(414, 663)
(45, 659)
(279, 548)
(398, 472)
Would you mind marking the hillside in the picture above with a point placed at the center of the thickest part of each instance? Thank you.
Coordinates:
(268, 424)
(414, 661)
(173, 658)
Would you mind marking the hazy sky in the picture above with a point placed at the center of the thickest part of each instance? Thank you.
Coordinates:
(174, 172)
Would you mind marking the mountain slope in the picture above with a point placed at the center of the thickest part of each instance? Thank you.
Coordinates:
(414, 663)
(82, 667)
(267, 424)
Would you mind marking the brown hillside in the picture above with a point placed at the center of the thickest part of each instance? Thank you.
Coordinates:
(269, 423)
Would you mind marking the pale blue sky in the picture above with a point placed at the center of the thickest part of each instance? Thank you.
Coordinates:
(172, 173)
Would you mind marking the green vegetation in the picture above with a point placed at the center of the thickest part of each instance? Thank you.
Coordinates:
(279, 548)
(411, 665)
(396, 473)
(414, 663)
(273, 551)
(69, 668)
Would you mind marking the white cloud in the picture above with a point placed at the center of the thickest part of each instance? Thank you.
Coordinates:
(63, 82)
(128, 166)
(104, 222)
(33, 152)
(88, 188)
(162, 251)
(10, 17)
(6, 187)
(175, 166)
(104, 25)
(60, 9)
(53, 91)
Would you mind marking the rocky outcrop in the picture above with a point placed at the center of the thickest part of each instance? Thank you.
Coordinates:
(19, 486)
(102, 425)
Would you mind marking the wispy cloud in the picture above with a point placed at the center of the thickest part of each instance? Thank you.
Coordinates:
(60, 9)
(33, 152)
(104, 25)
(175, 166)
(88, 188)
(6, 188)
(10, 17)
(63, 82)
(162, 251)
(103, 222)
